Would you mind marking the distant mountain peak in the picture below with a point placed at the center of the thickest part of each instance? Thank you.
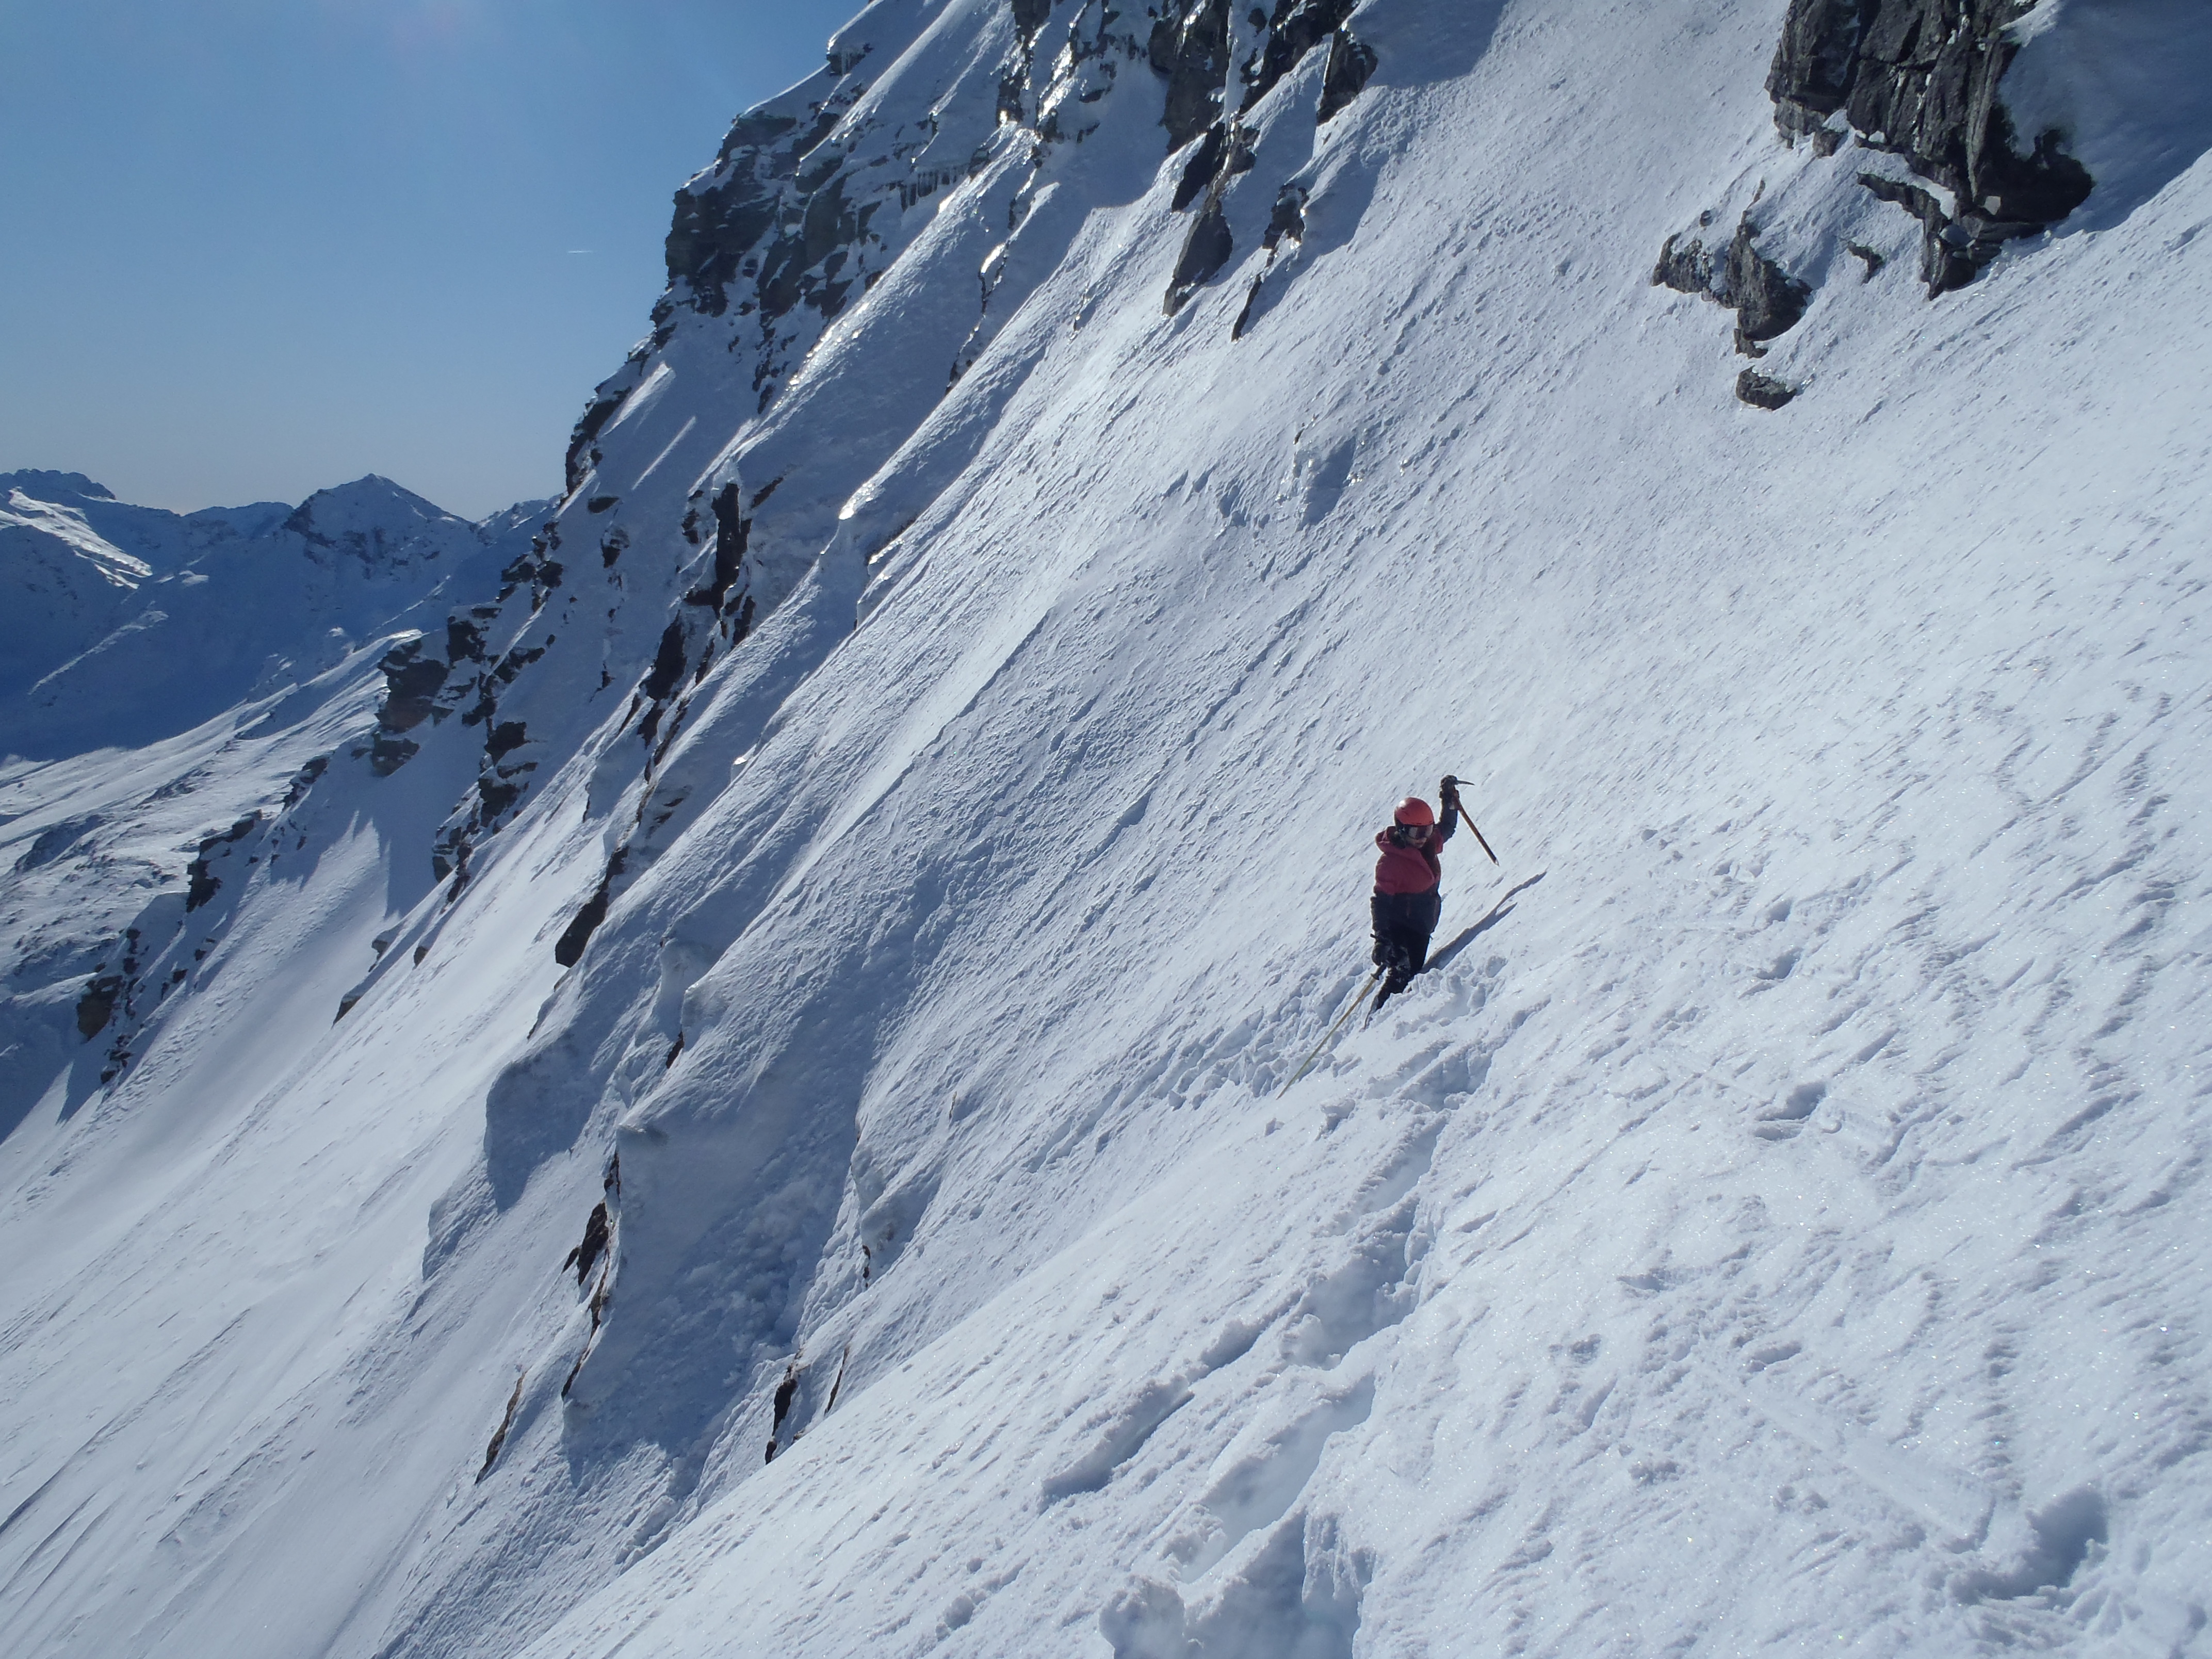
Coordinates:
(47, 486)
(376, 520)
(128, 623)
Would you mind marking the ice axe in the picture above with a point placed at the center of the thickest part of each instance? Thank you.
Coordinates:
(1451, 787)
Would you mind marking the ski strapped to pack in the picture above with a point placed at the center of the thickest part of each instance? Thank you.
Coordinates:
(1331, 1031)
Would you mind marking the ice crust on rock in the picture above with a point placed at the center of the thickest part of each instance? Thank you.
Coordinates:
(869, 857)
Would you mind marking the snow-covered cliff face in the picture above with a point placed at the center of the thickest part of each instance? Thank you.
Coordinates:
(913, 800)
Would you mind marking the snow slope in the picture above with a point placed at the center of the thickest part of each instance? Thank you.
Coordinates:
(1773, 1222)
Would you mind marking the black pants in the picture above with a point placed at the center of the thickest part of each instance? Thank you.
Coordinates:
(1403, 923)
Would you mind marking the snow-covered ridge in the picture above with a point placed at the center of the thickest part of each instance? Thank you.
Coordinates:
(914, 792)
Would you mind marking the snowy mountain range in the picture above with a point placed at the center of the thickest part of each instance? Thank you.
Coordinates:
(711, 1066)
(127, 624)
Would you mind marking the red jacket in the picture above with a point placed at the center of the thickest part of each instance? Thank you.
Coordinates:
(1411, 869)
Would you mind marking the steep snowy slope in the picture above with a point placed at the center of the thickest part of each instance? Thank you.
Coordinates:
(902, 873)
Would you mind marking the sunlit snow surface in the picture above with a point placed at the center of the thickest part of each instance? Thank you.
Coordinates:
(1775, 1225)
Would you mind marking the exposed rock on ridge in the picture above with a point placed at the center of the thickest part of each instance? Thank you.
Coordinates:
(1767, 301)
(1192, 51)
(1193, 54)
(1916, 79)
(1919, 78)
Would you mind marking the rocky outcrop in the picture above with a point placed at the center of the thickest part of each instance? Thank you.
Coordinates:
(1207, 245)
(509, 757)
(1199, 170)
(785, 1392)
(731, 528)
(113, 999)
(506, 1426)
(1351, 62)
(1816, 62)
(1916, 79)
(1287, 221)
(203, 885)
(1687, 267)
(1767, 301)
(1190, 51)
(585, 1255)
(132, 978)
(1763, 391)
(568, 949)
(801, 210)
(117, 1001)
(411, 681)
(607, 397)
(1953, 248)
(96, 1006)
(771, 225)
(1919, 78)
(536, 570)
(420, 686)
(1295, 29)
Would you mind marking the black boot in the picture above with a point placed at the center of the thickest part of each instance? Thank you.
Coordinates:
(1398, 972)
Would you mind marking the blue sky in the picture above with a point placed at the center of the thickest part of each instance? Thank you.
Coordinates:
(252, 248)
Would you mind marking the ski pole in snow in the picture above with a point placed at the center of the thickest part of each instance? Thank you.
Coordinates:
(1453, 783)
(1332, 1031)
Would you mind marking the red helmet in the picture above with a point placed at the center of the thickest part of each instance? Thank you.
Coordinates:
(1414, 810)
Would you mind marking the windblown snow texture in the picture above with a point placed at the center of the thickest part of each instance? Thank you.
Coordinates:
(804, 954)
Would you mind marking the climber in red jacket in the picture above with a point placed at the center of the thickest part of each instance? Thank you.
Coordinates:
(1407, 901)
